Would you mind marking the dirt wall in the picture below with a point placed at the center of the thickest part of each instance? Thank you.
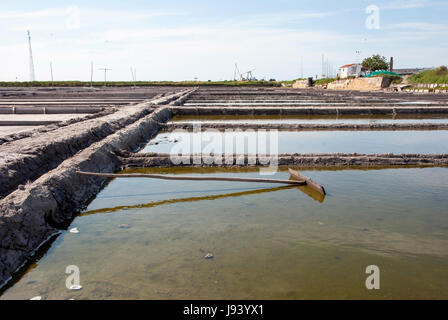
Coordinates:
(361, 84)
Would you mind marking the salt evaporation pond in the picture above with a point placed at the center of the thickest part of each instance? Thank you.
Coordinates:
(146, 239)
(434, 141)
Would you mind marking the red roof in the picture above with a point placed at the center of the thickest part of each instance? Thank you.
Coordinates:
(347, 65)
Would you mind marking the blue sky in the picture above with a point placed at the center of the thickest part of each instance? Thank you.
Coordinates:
(182, 40)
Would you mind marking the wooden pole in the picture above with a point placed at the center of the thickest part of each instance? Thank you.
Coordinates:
(194, 178)
(307, 180)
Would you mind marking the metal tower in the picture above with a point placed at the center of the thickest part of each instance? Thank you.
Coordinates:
(32, 76)
(236, 72)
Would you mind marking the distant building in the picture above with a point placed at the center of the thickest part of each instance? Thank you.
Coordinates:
(352, 70)
(409, 71)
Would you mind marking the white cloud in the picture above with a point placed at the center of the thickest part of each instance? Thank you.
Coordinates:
(405, 4)
(55, 18)
(412, 4)
(420, 26)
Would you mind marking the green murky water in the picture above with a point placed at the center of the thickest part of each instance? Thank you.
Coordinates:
(315, 119)
(146, 239)
(302, 142)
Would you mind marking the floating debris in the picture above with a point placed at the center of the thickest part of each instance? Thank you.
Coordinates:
(124, 226)
(36, 298)
(208, 256)
(74, 230)
(320, 223)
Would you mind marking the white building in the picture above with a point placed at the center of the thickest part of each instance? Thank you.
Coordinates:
(351, 70)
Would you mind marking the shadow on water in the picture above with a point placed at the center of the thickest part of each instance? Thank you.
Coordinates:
(30, 264)
(307, 190)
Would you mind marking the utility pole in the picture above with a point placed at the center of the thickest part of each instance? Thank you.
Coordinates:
(51, 72)
(323, 67)
(105, 74)
(301, 68)
(134, 75)
(31, 62)
(91, 74)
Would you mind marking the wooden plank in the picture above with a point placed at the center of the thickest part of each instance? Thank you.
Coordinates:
(297, 176)
(194, 178)
(312, 193)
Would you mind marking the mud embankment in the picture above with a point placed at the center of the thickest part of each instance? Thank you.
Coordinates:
(305, 110)
(60, 124)
(26, 159)
(145, 160)
(33, 213)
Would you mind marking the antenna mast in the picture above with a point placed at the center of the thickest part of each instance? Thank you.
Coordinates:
(32, 76)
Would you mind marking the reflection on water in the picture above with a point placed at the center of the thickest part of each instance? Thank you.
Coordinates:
(297, 119)
(146, 239)
(303, 142)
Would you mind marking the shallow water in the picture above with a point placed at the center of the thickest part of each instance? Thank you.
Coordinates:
(311, 120)
(146, 239)
(302, 142)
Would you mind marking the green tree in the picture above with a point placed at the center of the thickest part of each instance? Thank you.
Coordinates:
(376, 62)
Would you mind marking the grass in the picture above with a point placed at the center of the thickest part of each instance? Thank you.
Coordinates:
(438, 75)
(324, 81)
(138, 83)
(289, 83)
(396, 79)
